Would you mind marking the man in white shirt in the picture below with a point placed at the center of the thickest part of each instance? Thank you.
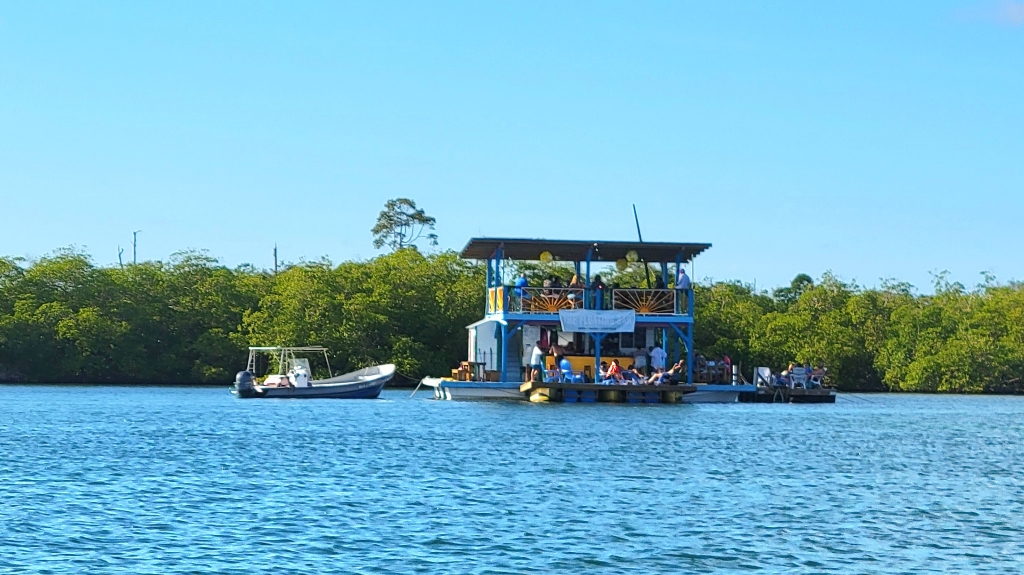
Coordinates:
(640, 360)
(537, 362)
(658, 356)
(682, 280)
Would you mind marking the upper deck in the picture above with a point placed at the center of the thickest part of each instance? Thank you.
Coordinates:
(541, 305)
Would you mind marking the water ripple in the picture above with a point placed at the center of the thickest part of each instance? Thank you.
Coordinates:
(143, 480)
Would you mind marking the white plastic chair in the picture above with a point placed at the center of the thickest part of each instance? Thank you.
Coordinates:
(798, 377)
(763, 377)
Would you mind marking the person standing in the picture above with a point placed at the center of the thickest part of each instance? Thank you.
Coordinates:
(520, 291)
(521, 282)
(640, 360)
(558, 351)
(537, 362)
(597, 288)
(683, 290)
(682, 280)
(658, 357)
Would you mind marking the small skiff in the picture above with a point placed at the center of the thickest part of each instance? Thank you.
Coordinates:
(293, 379)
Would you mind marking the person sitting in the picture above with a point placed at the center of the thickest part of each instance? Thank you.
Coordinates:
(816, 375)
(547, 285)
(615, 371)
(631, 377)
(657, 378)
(675, 374)
(670, 377)
(603, 370)
(556, 282)
(659, 283)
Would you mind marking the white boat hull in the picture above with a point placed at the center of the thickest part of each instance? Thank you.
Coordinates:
(717, 393)
(455, 390)
(362, 384)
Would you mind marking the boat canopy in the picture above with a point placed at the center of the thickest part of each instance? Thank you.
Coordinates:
(579, 251)
(285, 356)
(310, 348)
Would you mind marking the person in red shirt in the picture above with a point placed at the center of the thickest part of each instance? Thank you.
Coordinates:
(615, 370)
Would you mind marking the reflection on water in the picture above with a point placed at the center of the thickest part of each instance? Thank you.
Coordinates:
(193, 480)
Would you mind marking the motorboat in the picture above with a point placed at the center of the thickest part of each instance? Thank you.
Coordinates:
(446, 388)
(293, 377)
(718, 393)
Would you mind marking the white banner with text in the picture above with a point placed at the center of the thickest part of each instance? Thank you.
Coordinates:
(597, 321)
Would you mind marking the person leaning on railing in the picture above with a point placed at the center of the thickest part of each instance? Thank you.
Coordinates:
(682, 280)
(683, 289)
(520, 289)
(575, 284)
(597, 288)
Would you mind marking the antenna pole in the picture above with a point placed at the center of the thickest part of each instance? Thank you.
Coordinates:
(647, 270)
(275, 259)
(637, 220)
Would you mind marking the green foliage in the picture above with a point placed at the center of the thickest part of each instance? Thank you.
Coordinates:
(190, 319)
(404, 308)
(537, 272)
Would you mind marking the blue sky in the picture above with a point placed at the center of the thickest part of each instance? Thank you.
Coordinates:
(873, 139)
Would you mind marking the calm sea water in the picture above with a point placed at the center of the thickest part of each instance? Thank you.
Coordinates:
(150, 480)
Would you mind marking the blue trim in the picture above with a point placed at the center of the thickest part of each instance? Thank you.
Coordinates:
(549, 318)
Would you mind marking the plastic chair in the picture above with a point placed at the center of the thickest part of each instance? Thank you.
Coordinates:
(763, 377)
(798, 378)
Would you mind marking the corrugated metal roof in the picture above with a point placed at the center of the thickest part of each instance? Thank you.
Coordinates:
(573, 251)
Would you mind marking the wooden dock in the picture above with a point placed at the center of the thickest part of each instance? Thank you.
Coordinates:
(537, 391)
(787, 395)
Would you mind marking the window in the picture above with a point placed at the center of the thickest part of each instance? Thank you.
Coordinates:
(634, 340)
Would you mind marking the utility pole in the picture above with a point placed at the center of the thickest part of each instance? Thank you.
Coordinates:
(275, 259)
(135, 241)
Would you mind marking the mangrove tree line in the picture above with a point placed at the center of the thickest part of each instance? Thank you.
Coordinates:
(65, 319)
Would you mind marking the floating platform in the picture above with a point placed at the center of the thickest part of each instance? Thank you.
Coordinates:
(787, 395)
(537, 391)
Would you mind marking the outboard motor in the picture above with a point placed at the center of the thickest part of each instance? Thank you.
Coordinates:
(244, 384)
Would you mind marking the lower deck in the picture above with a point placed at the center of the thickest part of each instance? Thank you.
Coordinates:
(595, 392)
